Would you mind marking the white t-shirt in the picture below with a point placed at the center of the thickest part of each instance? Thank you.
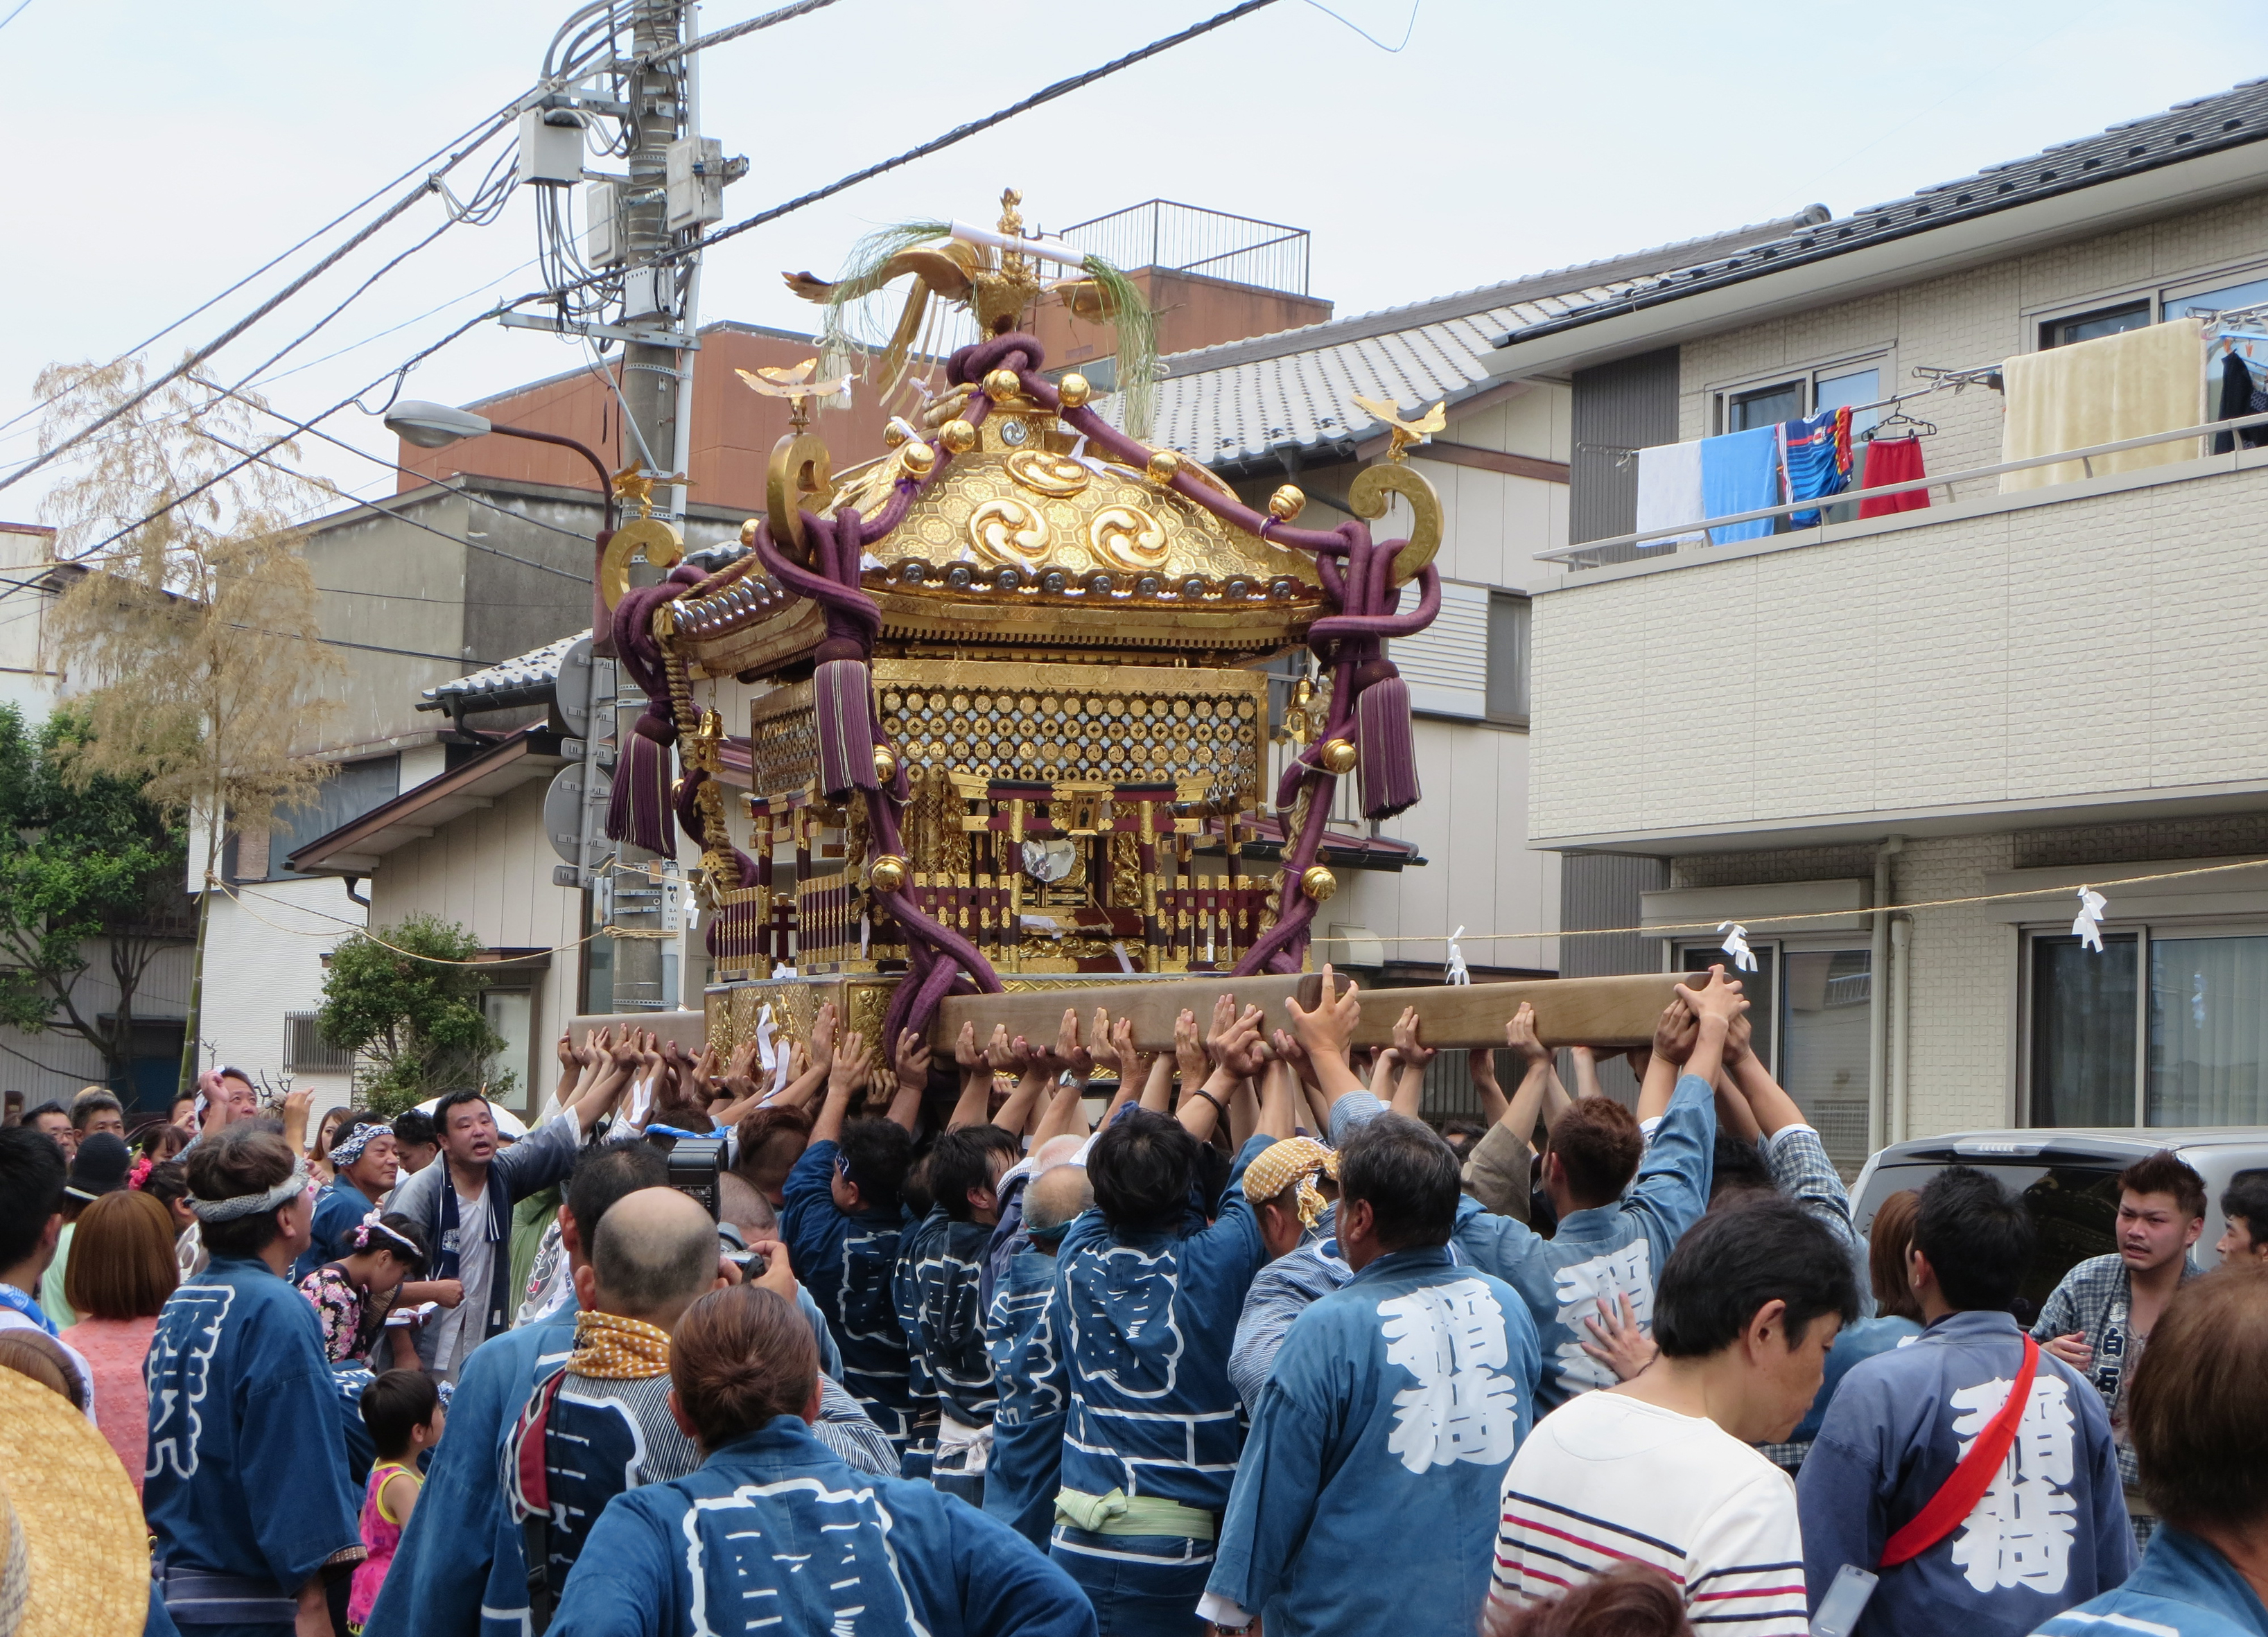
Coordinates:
(459, 1329)
(1605, 1477)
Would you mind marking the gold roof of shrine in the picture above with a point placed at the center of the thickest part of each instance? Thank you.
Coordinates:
(1024, 541)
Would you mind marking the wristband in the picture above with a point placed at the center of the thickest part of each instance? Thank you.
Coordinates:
(1220, 1105)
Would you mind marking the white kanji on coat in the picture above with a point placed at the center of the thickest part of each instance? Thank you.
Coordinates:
(2020, 1533)
(1452, 1339)
(1589, 1290)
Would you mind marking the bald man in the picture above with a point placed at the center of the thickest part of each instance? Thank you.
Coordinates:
(1008, 1238)
(1021, 1335)
(603, 1425)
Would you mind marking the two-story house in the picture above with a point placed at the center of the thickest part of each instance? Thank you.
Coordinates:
(1894, 746)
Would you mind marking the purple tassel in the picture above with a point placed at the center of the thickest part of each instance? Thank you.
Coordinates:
(1389, 754)
(842, 705)
(638, 815)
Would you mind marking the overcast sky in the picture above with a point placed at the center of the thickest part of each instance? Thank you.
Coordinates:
(164, 150)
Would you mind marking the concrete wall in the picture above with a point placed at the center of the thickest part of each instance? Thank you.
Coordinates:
(264, 954)
(2084, 644)
(55, 1063)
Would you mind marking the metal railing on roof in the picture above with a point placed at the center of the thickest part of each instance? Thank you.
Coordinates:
(1573, 556)
(1187, 238)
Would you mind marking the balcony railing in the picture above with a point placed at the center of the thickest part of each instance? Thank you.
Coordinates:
(1588, 555)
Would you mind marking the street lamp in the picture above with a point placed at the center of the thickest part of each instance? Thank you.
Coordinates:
(436, 426)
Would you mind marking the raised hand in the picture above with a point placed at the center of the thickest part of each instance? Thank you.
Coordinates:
(1005, 1056)
(1224, 1018)
(967, 1052)
(1102, 1048)
(1068, 1053)
(1241, 1051)
(1520, 1035)
(1678, 1028)
(1290, 1051)
(846, 1068)
(1188, 1050)
(823, 1041)
(911, 1060)
(1414, 1052)
(1327, 1029)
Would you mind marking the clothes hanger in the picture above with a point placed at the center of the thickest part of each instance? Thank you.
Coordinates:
(1899, 424)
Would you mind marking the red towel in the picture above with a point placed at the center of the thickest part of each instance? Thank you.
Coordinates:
(1892, 460)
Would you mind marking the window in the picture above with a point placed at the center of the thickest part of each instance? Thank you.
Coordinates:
(353, 790)
(1507, 657)
(2225, 298)
(2129, 315)
(306, 1051)
(1765, 406)
(2164, 1027)
(1810, 1009)
(511, 1014)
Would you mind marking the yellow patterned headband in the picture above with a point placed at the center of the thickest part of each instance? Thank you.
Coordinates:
(1293, 1160)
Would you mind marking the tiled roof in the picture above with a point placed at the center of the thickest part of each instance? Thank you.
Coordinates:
(525, 680)
(2202, 125)
(1231, 406)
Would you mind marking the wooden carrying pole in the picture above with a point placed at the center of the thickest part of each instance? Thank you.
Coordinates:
(1615, 1012)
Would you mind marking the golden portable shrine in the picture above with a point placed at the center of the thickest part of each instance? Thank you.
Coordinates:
(1017, 721)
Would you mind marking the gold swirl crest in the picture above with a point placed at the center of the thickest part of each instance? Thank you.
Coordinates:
(1045, 472)
(1125, 536)
(1008, 533)
(1367, 496)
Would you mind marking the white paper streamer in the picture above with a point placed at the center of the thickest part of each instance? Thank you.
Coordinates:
(767, 1040)
(2086, 926)
(1456, 972)
(1736, 945)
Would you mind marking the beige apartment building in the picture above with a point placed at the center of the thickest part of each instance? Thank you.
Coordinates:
(2012, 694)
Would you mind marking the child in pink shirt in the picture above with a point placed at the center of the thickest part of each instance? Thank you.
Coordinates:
(402, 1409)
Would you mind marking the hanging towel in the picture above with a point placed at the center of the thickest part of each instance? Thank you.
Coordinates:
(1740, 471)
(1816, 456)
(2116, 386)
(1668, 491)
(1893, 460)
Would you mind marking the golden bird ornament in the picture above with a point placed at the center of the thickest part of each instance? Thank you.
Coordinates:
(1402, 432)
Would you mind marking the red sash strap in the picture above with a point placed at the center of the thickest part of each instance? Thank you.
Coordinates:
(1961, 1492)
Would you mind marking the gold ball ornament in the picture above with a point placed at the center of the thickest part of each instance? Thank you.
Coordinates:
(886, 765)
(1286, 504)
(747, 531)
(1003, 383)
(1074, 391)
(1339, 756)
(957, 435)
(919, 459)
(1318, 883)
(886, 874)
(1165, 466)
(895, 434)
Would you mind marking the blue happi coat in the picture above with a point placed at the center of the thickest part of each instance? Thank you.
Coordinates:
(774, 1534)
(2183, 1589)
(339, 1207)
(936, 1288)
(2051, 1531)
(445, 1577)
(1025, 1340)
(1597, 1253)
(247, 1476)
(847, 1264)
(1395, 1404)
(1149, 1317)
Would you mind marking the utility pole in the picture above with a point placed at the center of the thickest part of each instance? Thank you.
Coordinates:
(653, 406)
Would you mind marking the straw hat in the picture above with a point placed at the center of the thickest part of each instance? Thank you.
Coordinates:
(74, 1553)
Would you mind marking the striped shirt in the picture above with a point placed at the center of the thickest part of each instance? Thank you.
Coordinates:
(1606, 1478)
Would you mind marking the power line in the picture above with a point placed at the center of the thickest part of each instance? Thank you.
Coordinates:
(385, 218)
(959, 134)
(963, 133)
(394, 466)
(280, 257)
(785, 14)
(5, 21)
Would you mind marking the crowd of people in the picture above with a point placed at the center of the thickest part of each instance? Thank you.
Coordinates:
(834, 1338)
